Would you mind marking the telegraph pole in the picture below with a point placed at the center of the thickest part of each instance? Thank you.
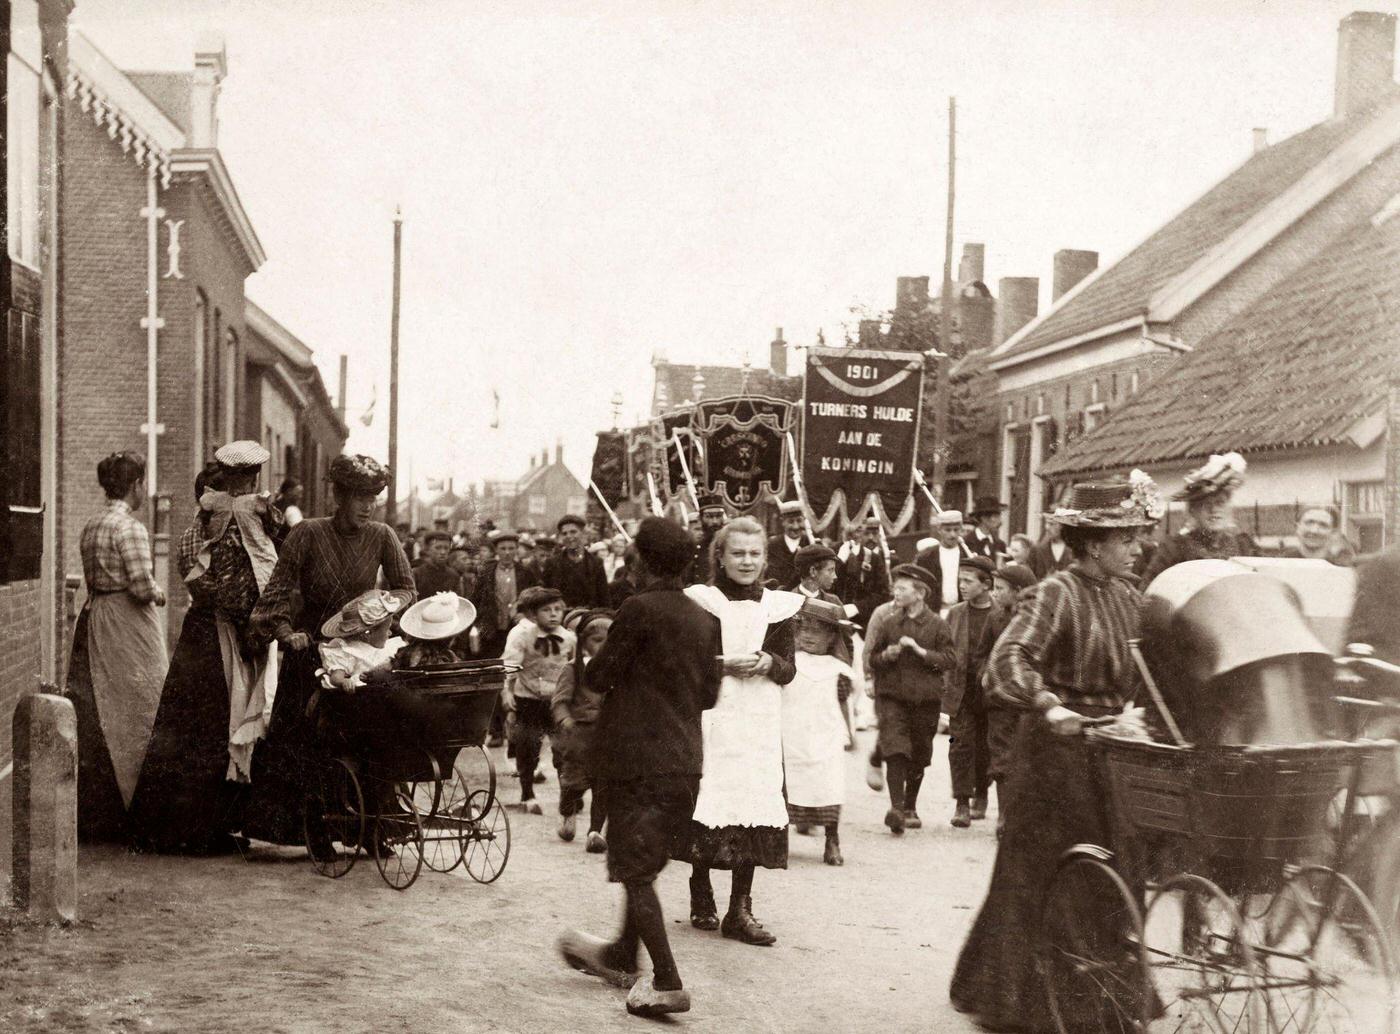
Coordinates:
(945, 336)
(391, 504)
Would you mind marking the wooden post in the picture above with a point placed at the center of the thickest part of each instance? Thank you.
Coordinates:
(392, 502)
(44, 855)
(941, 452)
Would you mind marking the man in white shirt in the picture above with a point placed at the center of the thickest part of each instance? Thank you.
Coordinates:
(944, 557)
(783, 548)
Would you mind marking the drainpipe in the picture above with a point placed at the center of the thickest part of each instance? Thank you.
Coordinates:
(152, 324)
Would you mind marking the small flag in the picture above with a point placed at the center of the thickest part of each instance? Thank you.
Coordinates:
(367, 417)
(496, 409)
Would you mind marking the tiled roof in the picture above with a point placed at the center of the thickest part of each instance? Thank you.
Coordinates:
(1298, 368)
(722, 381)
(170, 91)
(1123, 290)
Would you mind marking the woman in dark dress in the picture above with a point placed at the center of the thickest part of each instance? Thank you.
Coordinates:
(331, 560)
(1210, 532)
(741, 818)
(1064, 656)
(197, 765)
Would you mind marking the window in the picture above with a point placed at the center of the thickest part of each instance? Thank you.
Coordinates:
(23, 151)
(538, 504)
(1364, 515)
(1113, 387)
(23, 452)
(200, 379)
(228, 390)
(210, 335)
(1094, 392)
(1094, 415)
(1133, 383)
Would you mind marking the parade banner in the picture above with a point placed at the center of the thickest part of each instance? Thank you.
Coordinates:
(744, 441)
(609, 474)
(860, 430)
(640, 461)
(664, 430)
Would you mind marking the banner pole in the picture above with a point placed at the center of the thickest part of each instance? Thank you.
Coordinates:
(800, 487)
(685, 469)
(656, 508)
(616, 523)
(919, 479)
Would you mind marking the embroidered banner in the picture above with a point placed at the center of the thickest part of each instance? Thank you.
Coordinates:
(744, 442)
(860, 429)
(671, 479)
(640, 461)
(610, 466)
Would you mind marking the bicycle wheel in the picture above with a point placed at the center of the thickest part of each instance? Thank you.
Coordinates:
(398, 842)
(1201, 964)
(487, 838)
(1089, 952)
(333, 822)
(1327, 960)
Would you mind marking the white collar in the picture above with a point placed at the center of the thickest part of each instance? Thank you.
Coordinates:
(793, 545)
(810, 595)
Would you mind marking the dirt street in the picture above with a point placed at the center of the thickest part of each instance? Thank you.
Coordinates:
(265, 945)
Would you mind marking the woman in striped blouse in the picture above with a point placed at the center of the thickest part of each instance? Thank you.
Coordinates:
(1063, 657)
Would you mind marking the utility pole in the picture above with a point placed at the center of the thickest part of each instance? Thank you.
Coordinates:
(945, 335)
(391, 504)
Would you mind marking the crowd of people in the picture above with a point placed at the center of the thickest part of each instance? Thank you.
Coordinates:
(699, 685)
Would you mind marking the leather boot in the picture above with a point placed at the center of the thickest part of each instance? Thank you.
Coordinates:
(979, 807)
(740, 925)
(703, 913)
(962, 814)
(832, 854)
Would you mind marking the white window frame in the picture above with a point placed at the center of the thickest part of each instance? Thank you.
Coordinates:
(1093, 415)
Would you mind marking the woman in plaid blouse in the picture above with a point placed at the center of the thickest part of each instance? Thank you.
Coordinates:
(1063, 657)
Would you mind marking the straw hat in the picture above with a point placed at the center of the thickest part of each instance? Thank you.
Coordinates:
(440, 616)
(1111, 504)
(365, 611)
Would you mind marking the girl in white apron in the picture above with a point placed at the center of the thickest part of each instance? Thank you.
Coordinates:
(740, 819)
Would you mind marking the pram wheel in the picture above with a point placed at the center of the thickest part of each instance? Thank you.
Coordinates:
(487, 837)
(333, 822)
(398, 841)
(477, 772)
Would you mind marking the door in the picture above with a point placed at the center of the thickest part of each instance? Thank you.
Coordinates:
(1020, 478)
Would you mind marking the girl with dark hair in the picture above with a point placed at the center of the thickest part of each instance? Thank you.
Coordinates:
(119, 659)
(211, 711)
(1063, 657)
(741, 816)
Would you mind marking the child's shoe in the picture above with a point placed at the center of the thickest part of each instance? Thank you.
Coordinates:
(588, 954)
(566, 827)
(596, 843)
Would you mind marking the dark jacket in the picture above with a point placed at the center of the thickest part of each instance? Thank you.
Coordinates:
(866, 587)
(574, 697)
(1043, 560)
(484, 598)
(431, 578)
(1375, 614)
(1195, 544)
(955, 683)
(910, 678)
(583, 582)
(991, 550)
(780, 561)
(657, 672)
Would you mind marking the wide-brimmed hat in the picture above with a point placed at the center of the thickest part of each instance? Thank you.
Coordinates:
(1219, 474)
(821, 610)
(919, 574)
(367, 610)
(440, 616)
(358, 473)
(1111, 504)
(809, 556)
(241, 455)
(986, 504)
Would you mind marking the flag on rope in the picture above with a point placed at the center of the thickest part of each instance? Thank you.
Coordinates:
(367, 417)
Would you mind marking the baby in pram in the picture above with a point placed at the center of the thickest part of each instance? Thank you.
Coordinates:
(357, 646)
(430, 627)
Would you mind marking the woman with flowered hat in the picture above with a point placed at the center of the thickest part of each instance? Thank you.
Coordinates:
(1210, 532)
(213, 706)
(1064, 656)
(330, 560)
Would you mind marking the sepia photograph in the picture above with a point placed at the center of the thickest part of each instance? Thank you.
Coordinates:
(556, 516)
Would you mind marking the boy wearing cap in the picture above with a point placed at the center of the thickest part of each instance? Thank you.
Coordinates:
(657, 672)
(907, 650)
(975, 624)
(540, 647)
(783, 548)
(574, 571)
(434, 574)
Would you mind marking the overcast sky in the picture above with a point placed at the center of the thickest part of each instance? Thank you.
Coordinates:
(584, 185)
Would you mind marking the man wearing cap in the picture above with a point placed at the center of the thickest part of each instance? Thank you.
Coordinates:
(982, 540)
(500, 585)
(907, 650)
(944, 557)
(975, 624)
(657, 672)
(866, 574)
(712, 518)
(574, 571)
(782, 548)
(434, 574)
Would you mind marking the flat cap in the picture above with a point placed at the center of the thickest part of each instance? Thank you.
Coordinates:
(241, 454)
(665, 547)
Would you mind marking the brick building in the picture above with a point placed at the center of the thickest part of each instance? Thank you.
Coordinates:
(31, 572)
(287, 408)
(159, 247)
(545, 494)
(1063, 374)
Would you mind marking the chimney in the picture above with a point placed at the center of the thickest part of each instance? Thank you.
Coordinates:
(910, 294)
(1365, 61)
(544, 457)
(777, 354)
(1017, 303)
(1071, 266)
(971, 267)
(1261, 139)
(210, 67)
(868, 334)
(340, 397)
(977, 315)
(559, 450)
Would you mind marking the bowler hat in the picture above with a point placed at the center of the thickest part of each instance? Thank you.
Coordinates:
(987, 505)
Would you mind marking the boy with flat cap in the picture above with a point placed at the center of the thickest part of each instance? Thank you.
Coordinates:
(573, 570)
(658, 670)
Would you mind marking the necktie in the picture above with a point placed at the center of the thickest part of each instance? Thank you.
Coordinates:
(547, 645)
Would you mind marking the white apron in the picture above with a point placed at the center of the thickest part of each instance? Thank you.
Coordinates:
(742, 784)
(814, 733)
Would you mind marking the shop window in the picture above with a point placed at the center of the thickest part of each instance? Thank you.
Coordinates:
(23, 449)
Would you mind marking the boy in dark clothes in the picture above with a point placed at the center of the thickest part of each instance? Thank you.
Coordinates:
(573, 570)
(657, 672)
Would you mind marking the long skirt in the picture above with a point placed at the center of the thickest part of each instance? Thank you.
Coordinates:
(285, 763)
(115, 675)
(184, 803)
(1052, 803)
